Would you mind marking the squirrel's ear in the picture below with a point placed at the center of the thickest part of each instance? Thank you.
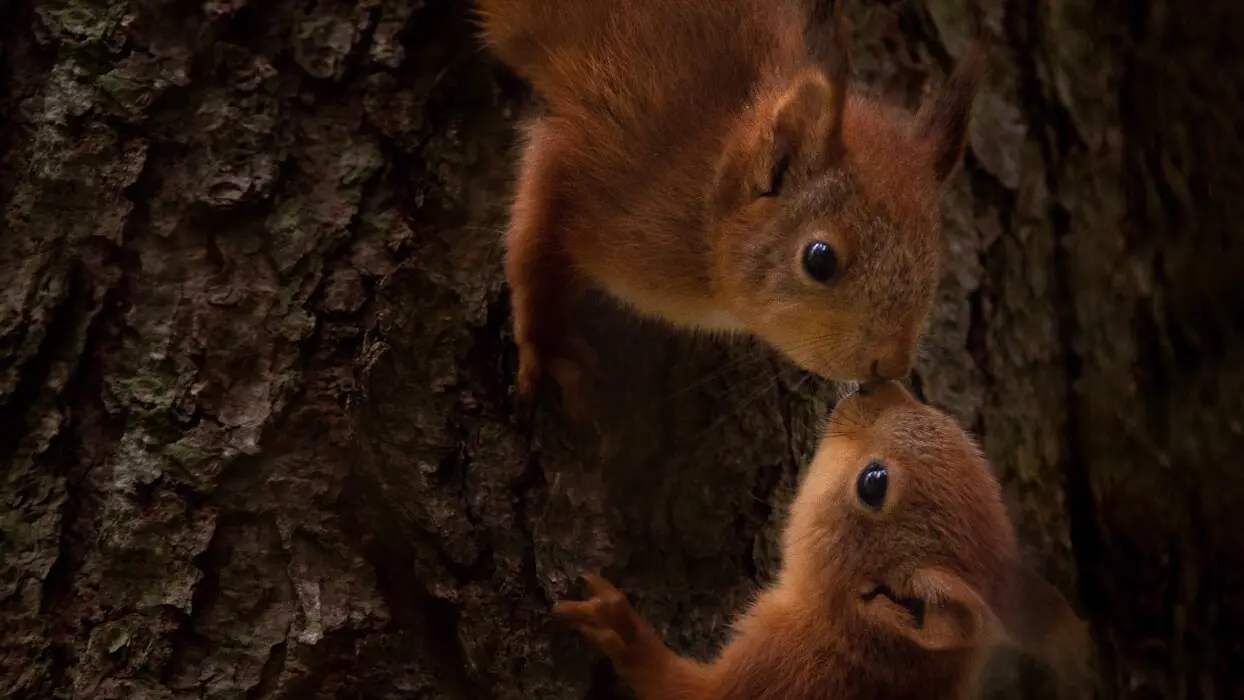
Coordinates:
(782, 140)
(828, 37)
(1037, 618)
(945, 115)
(953, 615)
(807, 121)
(829, 42)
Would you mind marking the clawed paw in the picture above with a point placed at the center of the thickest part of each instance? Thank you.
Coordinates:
(607, 619)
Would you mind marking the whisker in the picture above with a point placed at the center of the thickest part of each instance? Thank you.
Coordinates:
(747, 403)
(924, 349)
(759, 356)
(486, 229)
(799, 385)
(717, 373)
(845, 389)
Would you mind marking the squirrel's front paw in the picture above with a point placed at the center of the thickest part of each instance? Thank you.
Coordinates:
(607, 619)
(530, 370)
(575, 368)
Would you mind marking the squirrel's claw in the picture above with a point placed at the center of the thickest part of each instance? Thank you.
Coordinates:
(606, 619)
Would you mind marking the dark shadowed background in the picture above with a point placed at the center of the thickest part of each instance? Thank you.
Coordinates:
(256, 438)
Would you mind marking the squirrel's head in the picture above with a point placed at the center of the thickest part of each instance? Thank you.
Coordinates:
(900, 522)
(826, 216)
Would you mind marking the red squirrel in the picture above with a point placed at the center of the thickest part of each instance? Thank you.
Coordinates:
(900, 572)
(705, 162)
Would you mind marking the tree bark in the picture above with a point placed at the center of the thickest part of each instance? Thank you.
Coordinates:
(257, 436)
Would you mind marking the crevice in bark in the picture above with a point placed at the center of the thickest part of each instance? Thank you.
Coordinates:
(64, 314)
(414, 610)
(604, 681)
(24, 64)
(1060, 138)
(530, 487)
(88, 436)
(330, 658)
(985, 187)
(976, 343)
(206, 593)
(1085, 537)
(1024, 27)
(917, 22)
(494, 355)
(1152, 376)
(273, 667)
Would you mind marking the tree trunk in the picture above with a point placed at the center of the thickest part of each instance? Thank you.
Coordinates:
(257, 438)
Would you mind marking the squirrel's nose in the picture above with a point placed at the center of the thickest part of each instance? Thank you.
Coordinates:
(894, 365)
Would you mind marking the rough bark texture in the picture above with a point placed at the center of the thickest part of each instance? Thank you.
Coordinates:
(256, 432)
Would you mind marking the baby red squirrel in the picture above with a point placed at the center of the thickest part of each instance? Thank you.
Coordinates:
(704, 162)
(901, 571)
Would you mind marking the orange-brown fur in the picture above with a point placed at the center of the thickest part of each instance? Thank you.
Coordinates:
(942, 536)
(666, 121)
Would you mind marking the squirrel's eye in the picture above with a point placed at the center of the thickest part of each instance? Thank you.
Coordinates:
(871, 485)
(820, 262)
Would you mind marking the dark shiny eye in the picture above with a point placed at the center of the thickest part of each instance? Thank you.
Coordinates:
(820, 262)
(871, 485)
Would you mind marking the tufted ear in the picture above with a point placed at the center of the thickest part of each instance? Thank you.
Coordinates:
(828, 37)
(1038, 620)
(944, 612)
(797, 132)
(807, 120)
(945, 115)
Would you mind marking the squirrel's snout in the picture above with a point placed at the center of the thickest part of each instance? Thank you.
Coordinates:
(894, 363)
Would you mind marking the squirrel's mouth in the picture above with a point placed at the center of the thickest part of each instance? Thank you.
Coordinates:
(911, 604)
